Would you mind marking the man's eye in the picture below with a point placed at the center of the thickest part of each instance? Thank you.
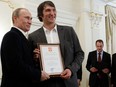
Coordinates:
(29, 18)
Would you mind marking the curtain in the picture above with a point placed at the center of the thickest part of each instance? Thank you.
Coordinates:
(111, 29)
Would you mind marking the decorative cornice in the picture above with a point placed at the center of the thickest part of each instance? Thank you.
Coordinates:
(10, 4)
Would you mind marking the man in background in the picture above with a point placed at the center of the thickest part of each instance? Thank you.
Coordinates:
(99, 66)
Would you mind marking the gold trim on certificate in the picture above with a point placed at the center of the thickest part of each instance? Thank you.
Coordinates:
(51, 59)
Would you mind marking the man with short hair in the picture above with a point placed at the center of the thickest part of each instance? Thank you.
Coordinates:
(18, 67)
(65, 36)
(99, 66)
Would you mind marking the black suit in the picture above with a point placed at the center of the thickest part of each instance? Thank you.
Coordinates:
(94, 79)
(17, 61)
(113, 70)
(71, 52)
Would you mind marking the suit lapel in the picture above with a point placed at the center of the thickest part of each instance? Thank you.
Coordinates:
(103, 56)
(42, 36)
(95, 54)
(61, 38)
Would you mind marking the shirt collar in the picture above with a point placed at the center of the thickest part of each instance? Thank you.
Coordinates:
(54, 29)
(100, 52)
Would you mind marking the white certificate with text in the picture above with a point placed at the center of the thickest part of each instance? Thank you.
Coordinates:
(51, 59)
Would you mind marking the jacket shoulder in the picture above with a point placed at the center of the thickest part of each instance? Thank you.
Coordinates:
(91, 52)
(106, 53)
(65, 27)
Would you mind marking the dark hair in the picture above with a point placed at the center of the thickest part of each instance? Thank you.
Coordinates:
(41, 8)
(100, 41)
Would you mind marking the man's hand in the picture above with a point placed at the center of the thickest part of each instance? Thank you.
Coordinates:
(105, 70)
(66, 74)
(93, 69)
(44, 76)
(36, 54)
(79, 82)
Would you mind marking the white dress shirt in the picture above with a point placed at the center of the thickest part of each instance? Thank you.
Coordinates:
(100, 55)
(52, 35)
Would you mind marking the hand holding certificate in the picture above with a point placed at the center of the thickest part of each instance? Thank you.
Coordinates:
(51, 59)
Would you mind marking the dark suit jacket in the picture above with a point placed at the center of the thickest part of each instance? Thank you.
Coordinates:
(79, 73)
(113, 70)
(70, 48)
(92, 62)
(18, 67)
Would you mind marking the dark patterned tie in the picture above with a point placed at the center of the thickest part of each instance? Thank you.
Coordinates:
(99, 57)
(99, 64)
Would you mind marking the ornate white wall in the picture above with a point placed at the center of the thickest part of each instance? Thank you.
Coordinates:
(64, 16)
(89, 33)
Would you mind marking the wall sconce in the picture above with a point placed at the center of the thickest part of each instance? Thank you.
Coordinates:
(95, 19)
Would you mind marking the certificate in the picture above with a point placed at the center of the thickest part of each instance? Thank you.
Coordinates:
(51, 59)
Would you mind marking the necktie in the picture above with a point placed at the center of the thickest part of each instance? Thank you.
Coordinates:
(99, 57)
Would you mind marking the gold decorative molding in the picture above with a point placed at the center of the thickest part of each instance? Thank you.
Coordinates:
(10, 4)
(95, 19)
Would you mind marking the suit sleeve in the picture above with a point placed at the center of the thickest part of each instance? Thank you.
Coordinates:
(88, 65)
(109, 63)
(78, 53)
(79, 73)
